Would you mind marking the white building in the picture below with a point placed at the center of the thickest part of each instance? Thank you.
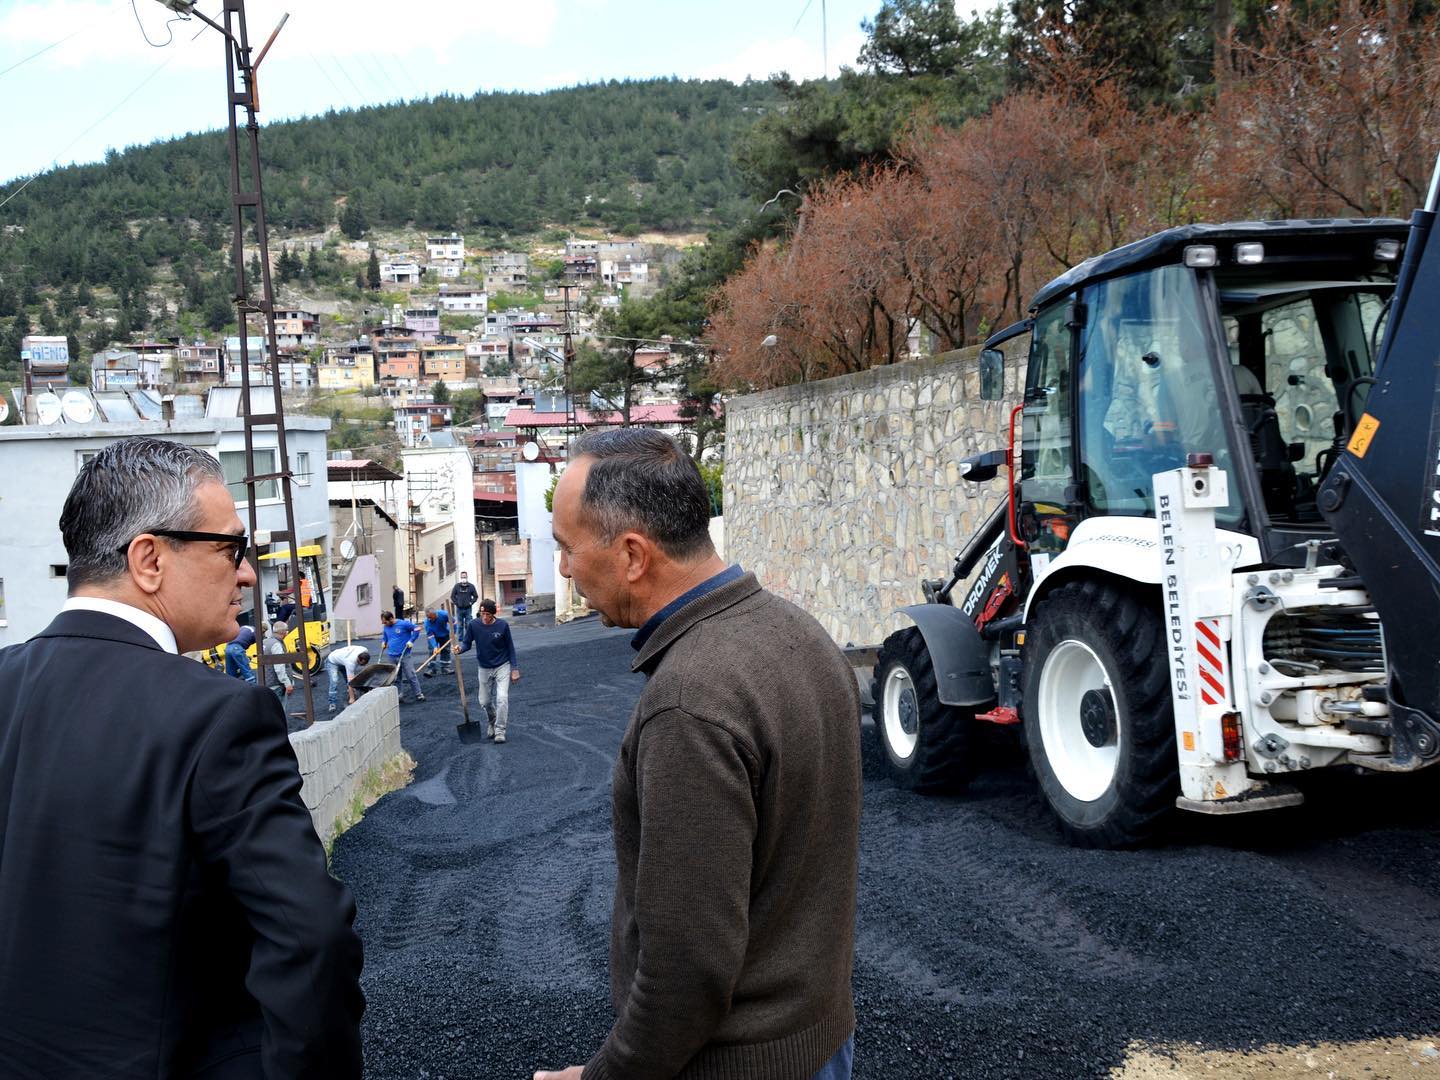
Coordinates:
(38, 466)
(438, 248)
(405, 272)
(464, 298)
(438, 496)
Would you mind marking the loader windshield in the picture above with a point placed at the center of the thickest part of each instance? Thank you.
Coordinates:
(1147, 390)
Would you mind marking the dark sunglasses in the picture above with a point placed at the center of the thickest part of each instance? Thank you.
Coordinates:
(239, 541)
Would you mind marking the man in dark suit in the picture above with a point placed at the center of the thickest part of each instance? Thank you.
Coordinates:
(165, 908)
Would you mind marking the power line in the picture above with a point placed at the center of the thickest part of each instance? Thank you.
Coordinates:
(54, 44)
(113, 110)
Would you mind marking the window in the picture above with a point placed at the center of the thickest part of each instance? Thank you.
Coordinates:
(1147, 393)
(1047, 460)
(232, 463)
(83, 458)
(302, 467)
(449, 563)
(364, 594)
(58, 570)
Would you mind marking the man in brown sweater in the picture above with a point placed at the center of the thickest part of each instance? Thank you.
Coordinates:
(736, 792)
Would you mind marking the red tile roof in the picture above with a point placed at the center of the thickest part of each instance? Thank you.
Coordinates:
(639, 414)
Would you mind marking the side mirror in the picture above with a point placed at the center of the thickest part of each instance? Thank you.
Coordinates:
(992, 375)
(981, 467)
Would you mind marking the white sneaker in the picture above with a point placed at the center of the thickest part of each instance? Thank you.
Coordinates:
(500, 737)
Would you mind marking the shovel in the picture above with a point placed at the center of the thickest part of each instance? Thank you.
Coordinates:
(468, 730)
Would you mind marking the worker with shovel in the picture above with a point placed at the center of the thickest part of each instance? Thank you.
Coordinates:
(495, 656)
(400, 635)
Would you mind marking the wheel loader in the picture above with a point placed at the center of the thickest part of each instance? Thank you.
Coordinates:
(1213, 562)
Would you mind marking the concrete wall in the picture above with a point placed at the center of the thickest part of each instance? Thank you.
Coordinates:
(842, 494)
(336, 754)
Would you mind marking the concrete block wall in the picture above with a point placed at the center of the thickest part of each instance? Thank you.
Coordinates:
(842, 494)
(335, 755)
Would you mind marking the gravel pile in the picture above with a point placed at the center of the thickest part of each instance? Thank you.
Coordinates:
(986, 947)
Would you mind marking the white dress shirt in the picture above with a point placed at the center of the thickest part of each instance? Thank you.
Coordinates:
(163, 635)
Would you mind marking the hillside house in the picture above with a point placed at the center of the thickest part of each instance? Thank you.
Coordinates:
(121, 367)
(423, 323)
(296, 329)
(347, 367)
(198, 364)
(445, 362)
(465, 299)
(400, 272)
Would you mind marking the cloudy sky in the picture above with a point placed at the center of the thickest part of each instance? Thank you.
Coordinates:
(97, 83)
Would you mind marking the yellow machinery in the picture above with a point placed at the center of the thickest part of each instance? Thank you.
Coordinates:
(317, 631)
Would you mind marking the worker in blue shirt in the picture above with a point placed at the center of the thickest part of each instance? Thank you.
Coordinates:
(437, 629)
(237, 661)
(400, 635)
(495, 655)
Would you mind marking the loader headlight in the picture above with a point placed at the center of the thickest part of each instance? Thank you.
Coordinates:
(1249, 254)
(1200, 256)
(1387, 250)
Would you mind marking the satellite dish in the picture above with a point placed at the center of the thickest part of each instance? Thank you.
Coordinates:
(530, 451)
(78, 408)
(347, 549)
(47, 406)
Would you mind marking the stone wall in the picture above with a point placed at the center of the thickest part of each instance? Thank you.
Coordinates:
(336, 755)
(842, 494)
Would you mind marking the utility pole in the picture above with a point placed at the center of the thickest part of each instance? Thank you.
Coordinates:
(247, 200)
(572, 423)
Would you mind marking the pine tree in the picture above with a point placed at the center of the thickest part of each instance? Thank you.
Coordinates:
(372, 271)
(353, 222)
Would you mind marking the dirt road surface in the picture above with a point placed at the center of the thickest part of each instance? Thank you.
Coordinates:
(1306, 944)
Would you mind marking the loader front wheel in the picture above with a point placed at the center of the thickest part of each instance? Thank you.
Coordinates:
(927, 747)
(1098, 717)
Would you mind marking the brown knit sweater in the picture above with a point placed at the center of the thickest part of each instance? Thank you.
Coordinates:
(736, 819)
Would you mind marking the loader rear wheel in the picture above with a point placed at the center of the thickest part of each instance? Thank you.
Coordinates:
(1099, 722)
(926, 746)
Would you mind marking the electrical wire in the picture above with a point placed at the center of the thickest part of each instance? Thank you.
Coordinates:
(112, 111)
(53, 44)
(41, 52)
(792, 29)
(168, 23)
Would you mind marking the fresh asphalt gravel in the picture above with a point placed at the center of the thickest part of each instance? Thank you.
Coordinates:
(985, 946)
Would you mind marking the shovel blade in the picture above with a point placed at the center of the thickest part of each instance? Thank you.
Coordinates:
(470, 732)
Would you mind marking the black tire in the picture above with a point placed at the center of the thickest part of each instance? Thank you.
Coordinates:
(941, 758)
(1105, 757)
(315, 661)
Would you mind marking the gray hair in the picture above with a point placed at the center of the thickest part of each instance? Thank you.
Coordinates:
(642, 480)
(132, 486)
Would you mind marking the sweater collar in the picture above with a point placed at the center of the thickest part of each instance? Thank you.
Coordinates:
(696, 611)
(730, 573)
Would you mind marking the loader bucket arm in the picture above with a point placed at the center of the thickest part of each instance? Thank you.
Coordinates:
(1382, 497)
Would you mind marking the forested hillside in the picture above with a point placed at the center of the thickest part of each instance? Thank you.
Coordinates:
(621, 155)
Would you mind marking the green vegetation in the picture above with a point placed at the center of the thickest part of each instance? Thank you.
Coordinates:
(381, 780)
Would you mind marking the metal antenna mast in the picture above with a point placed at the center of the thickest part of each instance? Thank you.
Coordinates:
(246, 195)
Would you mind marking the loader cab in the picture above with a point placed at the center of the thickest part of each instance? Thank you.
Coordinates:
(1251, 343)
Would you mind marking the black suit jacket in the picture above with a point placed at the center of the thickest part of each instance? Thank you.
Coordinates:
(165, 908)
